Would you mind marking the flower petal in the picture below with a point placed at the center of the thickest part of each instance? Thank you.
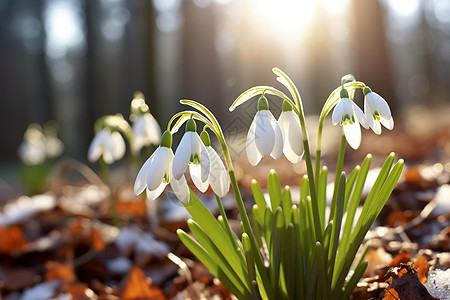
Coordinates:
(376, 127)
(119, 145)
(380, 105)
(360, 116)
(153, 131)
(338, 112)
(159, 168)
(180, 188)
(141, 179)
(253, 154)
(152, 195)
(205, 163)
(388, 123)
(369, 113)
(353, 134)
(218, 178)
(264, 132)
(182, 155)
(96, 148)
(196, 172)
(278, 144)
(292, 136)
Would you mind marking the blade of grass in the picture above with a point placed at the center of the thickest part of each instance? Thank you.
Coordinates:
(274, 187)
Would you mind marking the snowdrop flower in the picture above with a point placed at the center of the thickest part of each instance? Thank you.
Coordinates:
(146, 131)
(191, 151)
(108, 145)
(349, 116)
(218, 176)
(377, 111)
(156, 173)
(292, 133)
(264, 135)
(33, 149)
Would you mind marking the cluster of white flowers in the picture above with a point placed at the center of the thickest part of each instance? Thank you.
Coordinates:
(109, 144)
(267, 136)
(38, 145)
(163, 167)
(348, 115)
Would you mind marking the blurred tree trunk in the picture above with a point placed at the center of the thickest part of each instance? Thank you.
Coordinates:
(371, 51)
(200, 69)
(138, 53)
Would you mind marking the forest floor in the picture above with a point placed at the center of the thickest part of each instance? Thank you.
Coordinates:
(61, 244)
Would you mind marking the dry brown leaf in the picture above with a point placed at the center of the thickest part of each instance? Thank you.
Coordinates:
(405, 285)
(138, 287)
(61, 271)
(12, 239)
(13, 279)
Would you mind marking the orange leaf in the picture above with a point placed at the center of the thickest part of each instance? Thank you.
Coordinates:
(61, 271)
(138, 287)
(12, 239)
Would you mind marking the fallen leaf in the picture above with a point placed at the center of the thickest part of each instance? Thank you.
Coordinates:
(138, 287)
(61, 271)
(405, 285)
(12, 239)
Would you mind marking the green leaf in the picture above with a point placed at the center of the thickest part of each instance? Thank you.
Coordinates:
(258, 194)
(250, 264)
(215, 232)
(291, 256)
(277, 250)
(235, 288)
(322, 195)
(218, 257)
(359, 271)
(274, 187)
(321, 267)
(287, 205)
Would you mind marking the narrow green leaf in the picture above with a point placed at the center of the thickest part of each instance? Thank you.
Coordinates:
(291, 261)
(258, 194)
(287, 205)
(359, 271)
(321, 269)
(215, 232)
(322, 195)
(300, 254)
(234, 287)
(250, 264)
(339, 212)
(350, 184)
(229, 270)
(274, 187)
(258, 223)
(276, 250)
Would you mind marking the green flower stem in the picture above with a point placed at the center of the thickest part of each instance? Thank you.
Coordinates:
(319, 150)
(104, 169)
(339, 164)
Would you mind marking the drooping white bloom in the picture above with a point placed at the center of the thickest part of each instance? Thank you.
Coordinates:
(156, 173)
(218, 176)
(146, 131)
(32, 152)
(264, 135)
(37, 145)
(108, 145)
(292, 134)
(377, 111)
(191, 151)
(349, 116)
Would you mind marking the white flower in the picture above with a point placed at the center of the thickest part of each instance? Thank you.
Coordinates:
(218, 176)
(349, 116)
(264, 135)
(32, 152)
(292, 134)
(108, 145)
(377, 111)
(191, 151)
(156, 173)
(146, 131)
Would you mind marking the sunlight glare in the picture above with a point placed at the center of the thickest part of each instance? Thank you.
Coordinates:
(285, 15)
(404, 7)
